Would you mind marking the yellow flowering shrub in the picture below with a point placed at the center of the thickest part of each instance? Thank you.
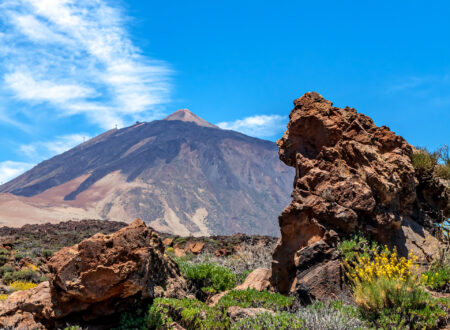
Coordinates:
(3, 297)
(20, 285)
(388, 292)
(385, 264)
(32, 267)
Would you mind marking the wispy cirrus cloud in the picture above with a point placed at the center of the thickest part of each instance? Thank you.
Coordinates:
(9, 170)
(73, 57)
(262, 126)
(38, 151)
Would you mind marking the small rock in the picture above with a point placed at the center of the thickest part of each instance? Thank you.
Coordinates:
(236, 313)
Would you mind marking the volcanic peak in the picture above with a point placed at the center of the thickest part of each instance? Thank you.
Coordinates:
(188, 116)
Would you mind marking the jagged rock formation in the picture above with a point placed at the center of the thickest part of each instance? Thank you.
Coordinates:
(182, 175)
(99, 277)
(350, 175)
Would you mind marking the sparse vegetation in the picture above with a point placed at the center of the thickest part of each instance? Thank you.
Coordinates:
(437, 278)
(194, 314)
(281, 321)
(208, 277)
(437, 162)
(423, 159)
(388, 293)
(21, 285)
(255, 299)
(24, 275)
(356, 245)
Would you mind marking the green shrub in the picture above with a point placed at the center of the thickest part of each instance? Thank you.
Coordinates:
(134, 320)
(46, 253)
(208, 277)
(20, 255)
(194, 314)
(424, 160)
(357, 245)
(252, 298)
(442, 171)
(438, 277)
(189, 313)
(25, 275)
(4, 256)
(281, 320)
(392, 303)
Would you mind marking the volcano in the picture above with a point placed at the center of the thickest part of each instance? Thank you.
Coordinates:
(181, 175)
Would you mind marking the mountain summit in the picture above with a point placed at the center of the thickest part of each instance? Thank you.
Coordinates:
(187, 116)
(181, 175)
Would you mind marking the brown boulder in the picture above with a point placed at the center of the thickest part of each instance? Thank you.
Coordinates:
(351, 175)
(101, 276)
(195, 247)
(257, 279)
(168, 241)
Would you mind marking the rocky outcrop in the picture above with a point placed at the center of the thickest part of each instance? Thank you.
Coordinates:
(351, 175)
(99, 277)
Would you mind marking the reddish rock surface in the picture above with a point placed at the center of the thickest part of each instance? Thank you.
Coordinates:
(101, 276)
(350, 175)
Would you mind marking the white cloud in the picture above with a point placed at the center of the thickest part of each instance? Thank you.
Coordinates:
(263, 126)
(9, 170)
(26, 88)
(41, 150)
(76, 57)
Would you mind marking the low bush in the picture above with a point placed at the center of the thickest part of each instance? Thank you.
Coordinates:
(422, 159)
(20, 255)
(437, 162)
(20, 285)
(437, 278)
(3, 296)
(387, 291)
(4, 256)
(333, 315)
(208, 277)
(442, 171)
(357, 245)
(189, 313)
(252, 298)
(194, 314)
(135, 320)
(46, 253)
(25, 275)
(281, 321)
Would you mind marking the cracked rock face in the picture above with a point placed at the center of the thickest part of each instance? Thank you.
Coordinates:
(351, 175)
(101, 276)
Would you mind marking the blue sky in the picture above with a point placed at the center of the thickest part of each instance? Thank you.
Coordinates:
(71, 69)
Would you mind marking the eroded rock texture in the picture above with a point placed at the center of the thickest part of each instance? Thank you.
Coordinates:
(350, 175)
(99, 277)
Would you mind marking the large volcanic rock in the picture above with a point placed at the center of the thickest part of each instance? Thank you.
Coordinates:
(181, 175)
(350, 176)
(99, 277)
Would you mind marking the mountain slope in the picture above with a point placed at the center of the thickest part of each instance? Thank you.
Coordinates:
(182, 175)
